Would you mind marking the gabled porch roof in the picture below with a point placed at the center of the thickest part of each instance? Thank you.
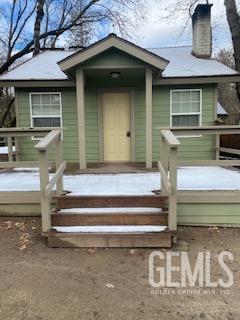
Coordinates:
(112, 41)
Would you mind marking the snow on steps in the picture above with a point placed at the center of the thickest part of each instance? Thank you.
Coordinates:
(110, 221)
(110, 236)
(109, 210)
(110, 216)
(110, 229)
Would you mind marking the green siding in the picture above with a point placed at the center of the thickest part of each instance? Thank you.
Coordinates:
(70, 141)
(209, 214)
(191, 148)
(113, 58)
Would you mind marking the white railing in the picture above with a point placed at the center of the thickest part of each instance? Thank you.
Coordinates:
(50, 137)
(12, 136)
(168, 169)
(169, 163)
(46, 183)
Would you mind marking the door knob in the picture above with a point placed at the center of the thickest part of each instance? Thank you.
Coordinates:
(128, 134)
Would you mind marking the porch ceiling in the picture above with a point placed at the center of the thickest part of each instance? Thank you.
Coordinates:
(105, 74)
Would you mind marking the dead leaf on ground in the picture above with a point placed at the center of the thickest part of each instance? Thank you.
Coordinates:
(91, 250)
(25, 241)
(20, 225)
(213, 229)
(109, 285)
(7, 225)
(23, 247)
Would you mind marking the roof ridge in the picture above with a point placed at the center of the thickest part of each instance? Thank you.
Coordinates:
(169, 47)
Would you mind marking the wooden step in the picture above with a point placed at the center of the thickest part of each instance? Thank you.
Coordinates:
(109, 240)
(110, 216)
(68, 201)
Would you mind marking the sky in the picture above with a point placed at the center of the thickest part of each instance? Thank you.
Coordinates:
(158, 32)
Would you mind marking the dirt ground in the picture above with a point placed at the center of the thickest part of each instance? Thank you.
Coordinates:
(37, 282)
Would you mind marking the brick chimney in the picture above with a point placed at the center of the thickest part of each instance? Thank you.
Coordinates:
(202, 31)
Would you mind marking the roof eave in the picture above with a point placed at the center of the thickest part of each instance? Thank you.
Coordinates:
(30, 83)
(224, 78)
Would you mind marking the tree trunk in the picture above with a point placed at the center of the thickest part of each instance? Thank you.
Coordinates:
(37, 27)
(234, 24)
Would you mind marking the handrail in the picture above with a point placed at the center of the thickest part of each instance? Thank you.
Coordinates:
(165, 179)
(23, 132)
(185, 131)
(170, 138)
(55, 178)
(168, 170)
(11, 130)
(230, 150)
(189, 128)
(23, 164)
(52, 136)
(209, 163)
(169, 163)
(48, 140)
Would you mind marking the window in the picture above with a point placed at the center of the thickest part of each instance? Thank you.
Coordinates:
(46, 109)
(186, 108)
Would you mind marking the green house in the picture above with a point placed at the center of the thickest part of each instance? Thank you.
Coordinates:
(111, 97)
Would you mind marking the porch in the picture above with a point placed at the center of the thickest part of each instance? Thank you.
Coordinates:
(131, 209)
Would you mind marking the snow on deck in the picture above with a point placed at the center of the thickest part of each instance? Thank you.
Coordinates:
(189, 178)
(4, 150)
(110, 229)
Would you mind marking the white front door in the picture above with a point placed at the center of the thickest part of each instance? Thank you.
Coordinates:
(116, 127)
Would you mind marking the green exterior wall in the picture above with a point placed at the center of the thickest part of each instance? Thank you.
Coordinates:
(191, 148)
(70, 141)
(113, 58)
(202, 214)
(132, 77)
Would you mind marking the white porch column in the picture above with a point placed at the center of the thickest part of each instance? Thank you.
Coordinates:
(81, 117)
(148, 118)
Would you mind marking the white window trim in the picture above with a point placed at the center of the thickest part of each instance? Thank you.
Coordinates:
(187, 114)
(50, 116)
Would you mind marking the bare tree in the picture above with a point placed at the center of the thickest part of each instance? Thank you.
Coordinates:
(29, 25)
(121, 14)
(227, 91)
(7, 112)
(233, 18)
(14, 20)
(185, 8)
(37, 27)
